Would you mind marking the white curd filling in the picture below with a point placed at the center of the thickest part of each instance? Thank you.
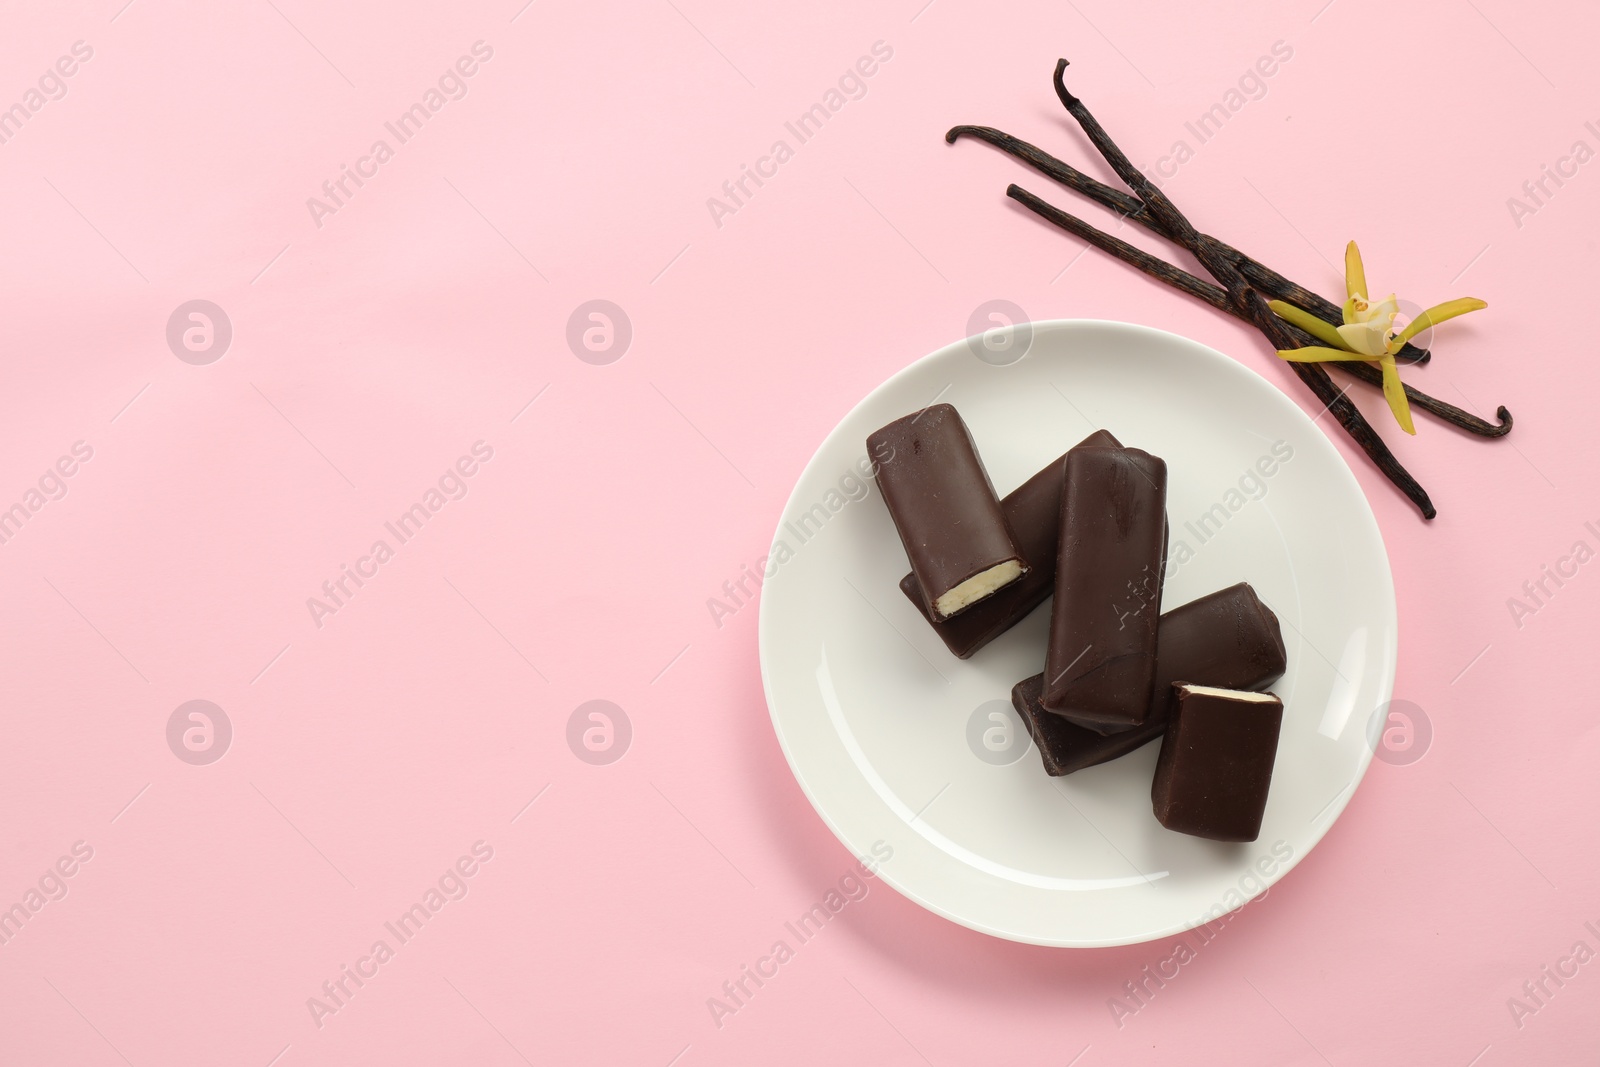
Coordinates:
(977, 587)
(1231, 694)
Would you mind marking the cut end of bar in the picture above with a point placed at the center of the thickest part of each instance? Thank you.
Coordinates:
(980, 585)
(1243, 695)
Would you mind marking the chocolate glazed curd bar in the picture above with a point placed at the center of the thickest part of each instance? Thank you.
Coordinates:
(1033, 511)
(1228, 639)
(1111, 560)
(946, 511)
(1216, 763)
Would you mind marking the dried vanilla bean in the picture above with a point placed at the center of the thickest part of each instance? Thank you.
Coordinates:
(1217, 297)
(1256, 273)
(1223, 268)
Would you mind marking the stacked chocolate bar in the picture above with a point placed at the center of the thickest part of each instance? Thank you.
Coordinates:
(1091, 528)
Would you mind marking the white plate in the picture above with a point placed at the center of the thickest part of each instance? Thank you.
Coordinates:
(893, 739)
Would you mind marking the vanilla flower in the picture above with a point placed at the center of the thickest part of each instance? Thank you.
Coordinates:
(1368, 332)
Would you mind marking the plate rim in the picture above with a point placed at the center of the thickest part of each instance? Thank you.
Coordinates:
(1337, 807)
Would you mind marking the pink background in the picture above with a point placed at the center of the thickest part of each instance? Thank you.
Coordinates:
(371, 352)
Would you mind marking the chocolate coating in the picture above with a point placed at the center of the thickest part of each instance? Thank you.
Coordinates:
(1063, 745)
(1216, 763)
(1033, 511)
(1111, 561)
(1228, 639)
(942, 503)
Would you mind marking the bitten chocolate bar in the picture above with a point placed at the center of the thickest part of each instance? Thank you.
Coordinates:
(1228, 639)
(944, 507)
(1216, 763)
(1101, 661)
(1033, 511)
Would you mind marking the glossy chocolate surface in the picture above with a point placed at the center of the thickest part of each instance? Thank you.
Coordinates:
(1033, 511)
(942, 501)
(1215, 766)
(1111, 560)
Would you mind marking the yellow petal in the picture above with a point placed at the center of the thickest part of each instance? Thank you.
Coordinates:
(1318, 354)
(1322, 331)
(1439, 313)
(1395, 393)
(1368, 338)
(1355, 274)
(1385, 309)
